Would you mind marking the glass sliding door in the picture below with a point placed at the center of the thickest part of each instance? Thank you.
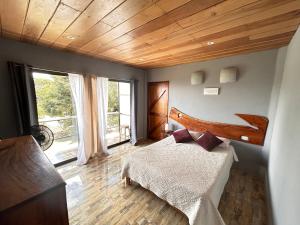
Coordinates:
(56, 111)
(118, 115)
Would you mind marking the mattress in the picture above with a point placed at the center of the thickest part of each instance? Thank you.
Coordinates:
(183, 174)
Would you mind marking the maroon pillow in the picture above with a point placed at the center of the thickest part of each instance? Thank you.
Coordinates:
(182, 136)
(208, 141)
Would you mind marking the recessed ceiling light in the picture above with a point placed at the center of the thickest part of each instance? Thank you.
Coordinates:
(210, 43)
(72, 37)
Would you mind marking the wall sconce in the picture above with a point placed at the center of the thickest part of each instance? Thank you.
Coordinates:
(228, 75)
(197, 78)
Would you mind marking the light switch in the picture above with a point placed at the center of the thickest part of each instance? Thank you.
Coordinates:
(211, 91)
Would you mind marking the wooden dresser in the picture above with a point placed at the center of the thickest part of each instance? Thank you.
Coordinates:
(31, 190)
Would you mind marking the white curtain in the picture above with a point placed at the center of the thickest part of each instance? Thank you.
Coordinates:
(84, 145)
(91, 130)
(102, 100)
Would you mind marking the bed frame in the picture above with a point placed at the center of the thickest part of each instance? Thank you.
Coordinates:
(255, 133)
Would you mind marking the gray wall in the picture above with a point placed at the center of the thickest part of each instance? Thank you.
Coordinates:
(46, 58)
(250, 94)
(284, 162)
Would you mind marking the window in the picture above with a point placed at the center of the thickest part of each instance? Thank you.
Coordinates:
(56, 111)
(118, 115)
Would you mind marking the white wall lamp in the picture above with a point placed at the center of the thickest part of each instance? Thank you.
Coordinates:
(197, 78)
(228, 75)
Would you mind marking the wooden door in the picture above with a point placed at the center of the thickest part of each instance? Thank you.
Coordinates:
(158, 100)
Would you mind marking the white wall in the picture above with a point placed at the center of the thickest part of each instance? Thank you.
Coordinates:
(284, 162)
(52, 59)
(250, 94)
(279, 67)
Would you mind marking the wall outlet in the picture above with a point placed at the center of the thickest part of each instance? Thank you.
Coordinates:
(245, 138)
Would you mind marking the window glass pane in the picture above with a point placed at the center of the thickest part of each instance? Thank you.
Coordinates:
(112, 121)
(113, 96)
(57, 112)
(124, 120)
(124, 88)
(124, 98)
(118, 116)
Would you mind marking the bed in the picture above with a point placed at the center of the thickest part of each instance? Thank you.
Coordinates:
(184, 174)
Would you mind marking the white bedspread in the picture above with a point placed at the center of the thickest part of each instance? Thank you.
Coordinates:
(185, 175)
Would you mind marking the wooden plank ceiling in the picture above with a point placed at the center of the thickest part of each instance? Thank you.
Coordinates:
(152, 33)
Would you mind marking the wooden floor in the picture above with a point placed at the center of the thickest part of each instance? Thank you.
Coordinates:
(96, 195)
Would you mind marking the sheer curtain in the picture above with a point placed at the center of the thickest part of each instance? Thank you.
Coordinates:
(90, 101)
(82, 113)
(102, 100)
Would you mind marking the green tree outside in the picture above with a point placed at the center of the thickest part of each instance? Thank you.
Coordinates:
(54, 99)
(113, 104)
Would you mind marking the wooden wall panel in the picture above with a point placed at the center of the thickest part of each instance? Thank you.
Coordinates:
(152, 33)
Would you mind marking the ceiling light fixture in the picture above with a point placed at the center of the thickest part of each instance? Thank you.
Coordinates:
(72, 37)
(210, 43)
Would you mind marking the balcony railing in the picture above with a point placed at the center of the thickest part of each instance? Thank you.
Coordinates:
(118, 128)
(65, 128)
(114, 120)
(62, 127)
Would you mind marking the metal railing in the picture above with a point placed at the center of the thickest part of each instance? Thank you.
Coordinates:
(66, 127)
(62, 127)
(111, 124)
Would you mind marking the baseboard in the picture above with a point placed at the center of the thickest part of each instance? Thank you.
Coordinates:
(268, 200)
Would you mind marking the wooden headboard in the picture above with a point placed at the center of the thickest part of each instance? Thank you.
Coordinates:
(255, 134)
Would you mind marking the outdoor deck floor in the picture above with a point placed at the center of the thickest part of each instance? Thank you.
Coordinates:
(66, 148)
